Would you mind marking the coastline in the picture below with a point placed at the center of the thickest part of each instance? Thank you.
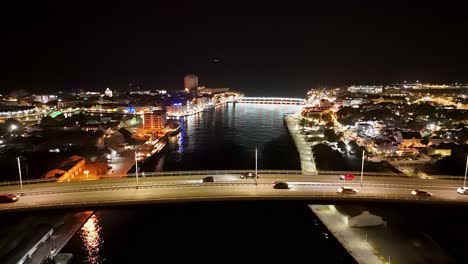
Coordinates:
(306, 155)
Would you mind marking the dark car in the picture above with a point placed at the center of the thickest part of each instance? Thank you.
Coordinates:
(8, 198)
(280, 185)
(208, 179)
(421, 193)
(248, 175)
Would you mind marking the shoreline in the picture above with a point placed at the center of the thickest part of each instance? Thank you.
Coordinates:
(306, 155)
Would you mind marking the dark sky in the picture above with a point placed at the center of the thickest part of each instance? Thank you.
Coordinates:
(263, 48)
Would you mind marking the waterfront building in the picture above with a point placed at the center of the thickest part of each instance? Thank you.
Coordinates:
(204, 90)
(176, 109)
(190, 82)
(155, 120)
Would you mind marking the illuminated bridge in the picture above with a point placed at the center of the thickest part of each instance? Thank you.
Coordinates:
(271, 100)
(188, 186)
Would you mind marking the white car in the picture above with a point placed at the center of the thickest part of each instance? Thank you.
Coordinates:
(347, 190)
(462, 190)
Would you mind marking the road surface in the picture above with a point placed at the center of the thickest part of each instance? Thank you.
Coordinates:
(227, 187)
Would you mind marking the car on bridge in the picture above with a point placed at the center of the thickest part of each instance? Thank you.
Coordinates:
(281, 185)
(347, 190)
(421, 193)
(248, 175)
(8, 198)
(347, 177)
(462, 190)
(208, 179)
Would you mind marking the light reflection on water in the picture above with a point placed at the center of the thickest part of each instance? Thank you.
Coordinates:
(226, 138)
(90, 234)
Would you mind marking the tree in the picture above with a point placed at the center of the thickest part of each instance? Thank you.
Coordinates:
(425, 110)
(48, 121)
(329, 124)
(348, 115)
(342, 146)
(463, 137)
(378, 114)
(354, 146)
(326, 117)
(330, 135)
(425, 140)
(10, 126)
(302, 122)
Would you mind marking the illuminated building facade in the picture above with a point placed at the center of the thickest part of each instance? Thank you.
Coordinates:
(190, 82)
(155, 120)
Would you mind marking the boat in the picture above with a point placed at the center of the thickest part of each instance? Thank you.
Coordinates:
(151, 148)
(175, 128)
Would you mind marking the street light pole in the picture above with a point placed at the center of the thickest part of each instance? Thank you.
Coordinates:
(136, 169)
(362, 166)
(256, 174)
(466, 169)
(19, 170)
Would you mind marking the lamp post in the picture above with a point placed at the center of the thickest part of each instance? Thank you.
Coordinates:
(466, 169)
(362, 166)
(87, 173)
(136, 169)
(256, 174)
(19, 171)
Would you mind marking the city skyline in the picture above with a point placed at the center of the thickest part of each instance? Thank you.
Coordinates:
(135, 132)
(278, 49)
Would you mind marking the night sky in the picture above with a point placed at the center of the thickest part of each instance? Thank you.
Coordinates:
(257, 47)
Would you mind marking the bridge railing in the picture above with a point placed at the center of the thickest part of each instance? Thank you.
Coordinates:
(230, 172)
(318, 194)
(26, 182)
(356, 173)
(210, 172)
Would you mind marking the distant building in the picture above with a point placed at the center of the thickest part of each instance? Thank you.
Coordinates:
(202, 101)
(190, 82)
(155, 120)
(370, 89)
(67, 170)
(439, 150)
(176, 109)
(204, 90)
(108, 92)
(390, 99)
(409, 139)
(44, 98)
(150, 92)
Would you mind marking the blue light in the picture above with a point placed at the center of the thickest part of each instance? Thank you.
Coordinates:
(131, 110)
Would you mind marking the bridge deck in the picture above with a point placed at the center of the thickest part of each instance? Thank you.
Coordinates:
(319, 188)
(271, 100)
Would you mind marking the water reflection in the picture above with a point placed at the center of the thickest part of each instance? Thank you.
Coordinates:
(181, 136)
(90, 234)
(226, 137)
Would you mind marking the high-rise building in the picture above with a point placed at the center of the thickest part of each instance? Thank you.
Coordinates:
(155, 120)
(190, 82)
